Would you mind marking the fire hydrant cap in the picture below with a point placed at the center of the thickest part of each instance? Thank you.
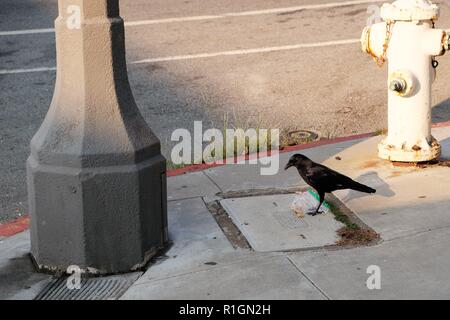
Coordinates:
(410, 10)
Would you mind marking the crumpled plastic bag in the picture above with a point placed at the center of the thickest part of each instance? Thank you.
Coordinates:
(307, 201)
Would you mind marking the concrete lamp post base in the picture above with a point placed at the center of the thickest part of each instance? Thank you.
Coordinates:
(96, 177)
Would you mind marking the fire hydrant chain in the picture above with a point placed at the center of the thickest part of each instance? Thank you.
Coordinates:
(434, 62)
(382, 59)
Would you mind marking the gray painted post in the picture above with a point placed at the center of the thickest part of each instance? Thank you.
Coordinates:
(96, 176)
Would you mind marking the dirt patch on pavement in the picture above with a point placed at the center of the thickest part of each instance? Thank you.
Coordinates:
(356, 236)
(355, 232)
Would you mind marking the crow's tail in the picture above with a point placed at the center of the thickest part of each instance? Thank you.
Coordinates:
(360, 187)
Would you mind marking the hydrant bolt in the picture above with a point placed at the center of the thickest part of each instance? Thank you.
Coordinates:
(398, 85)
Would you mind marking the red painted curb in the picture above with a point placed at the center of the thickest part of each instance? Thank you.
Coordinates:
(441, 124)
(11, 228)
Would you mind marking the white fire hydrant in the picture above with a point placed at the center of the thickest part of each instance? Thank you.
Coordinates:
(408, 40)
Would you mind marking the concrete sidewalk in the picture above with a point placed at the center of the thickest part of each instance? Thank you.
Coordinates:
(410, 211)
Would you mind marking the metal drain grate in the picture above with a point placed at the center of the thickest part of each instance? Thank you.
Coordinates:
(104, 288)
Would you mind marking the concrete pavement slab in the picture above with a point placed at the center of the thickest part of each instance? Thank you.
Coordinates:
(203, 264)
(415, 267)
(189, 219)
(195, 184)
(418, 203)
(254, 278)
(238, 177)
(196, 239)
(269, 224)
(18, 279)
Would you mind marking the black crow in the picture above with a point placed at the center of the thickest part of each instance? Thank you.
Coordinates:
(323, 179)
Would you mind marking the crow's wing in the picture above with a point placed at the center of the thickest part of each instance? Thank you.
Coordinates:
(327, 179)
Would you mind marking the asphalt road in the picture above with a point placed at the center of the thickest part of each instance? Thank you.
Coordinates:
(214, 63)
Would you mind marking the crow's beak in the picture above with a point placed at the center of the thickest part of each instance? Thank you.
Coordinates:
(288, 166)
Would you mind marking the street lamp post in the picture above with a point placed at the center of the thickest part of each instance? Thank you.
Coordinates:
(96, 176)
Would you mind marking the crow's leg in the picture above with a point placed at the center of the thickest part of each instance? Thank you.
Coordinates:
(322, 199)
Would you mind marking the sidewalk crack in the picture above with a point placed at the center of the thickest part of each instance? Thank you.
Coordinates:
(417, 233)
(187, 198)
(211, 179)
(309, 279)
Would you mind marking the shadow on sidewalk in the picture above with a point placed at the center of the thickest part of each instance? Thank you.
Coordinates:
(371, 179)
(441, 112)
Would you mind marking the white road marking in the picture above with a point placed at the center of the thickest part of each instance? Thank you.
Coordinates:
(212, 17)
(212, 54)
(30, 31)
(248, 51)
(14, 71)
(215, 54)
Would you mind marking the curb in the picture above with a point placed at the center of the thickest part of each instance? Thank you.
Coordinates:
(21, 224)
(17, 226)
